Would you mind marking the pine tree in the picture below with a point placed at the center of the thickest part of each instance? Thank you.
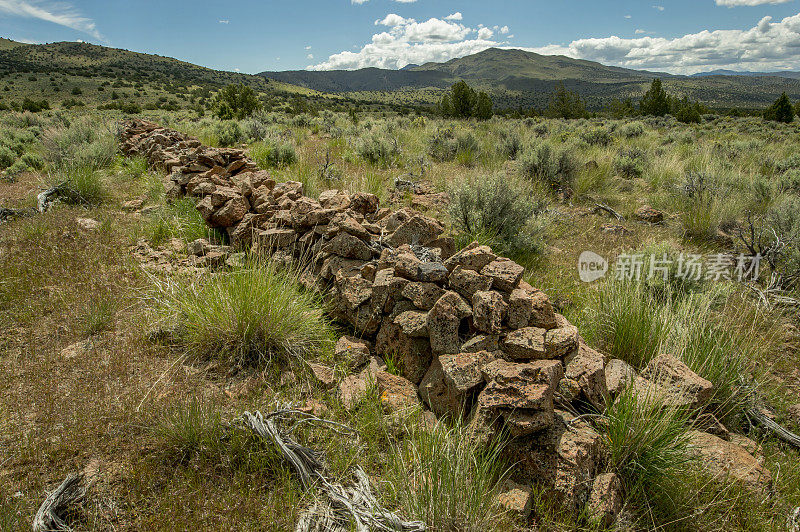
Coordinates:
(655, 101)
(780, 111)
(462, 99)
(483, 107)
(565, 104)
(445, 107)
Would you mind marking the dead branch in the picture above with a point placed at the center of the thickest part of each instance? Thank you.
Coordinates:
(605, 208)
(343, 505)
(780, 432)
(50, 516)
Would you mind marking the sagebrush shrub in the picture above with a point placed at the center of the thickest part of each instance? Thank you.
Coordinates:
(554, 166)
(377, 149)
(228, 133)
(598, 136)
(7, 157)
(499, 211)
(273, 153)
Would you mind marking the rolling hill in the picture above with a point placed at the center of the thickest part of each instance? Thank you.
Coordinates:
(520, 78)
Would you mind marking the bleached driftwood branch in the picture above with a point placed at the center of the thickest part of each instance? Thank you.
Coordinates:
(343, 506)
(69, 493)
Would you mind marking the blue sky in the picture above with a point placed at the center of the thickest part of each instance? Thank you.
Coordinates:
(681, 36)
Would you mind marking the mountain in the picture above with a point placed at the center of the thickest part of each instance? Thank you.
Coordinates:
(779, 74)
(520, 78)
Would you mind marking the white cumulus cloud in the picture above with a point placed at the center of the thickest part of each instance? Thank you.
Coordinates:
(736, 3)
(61, 13)
(408, 41)
(766, 46)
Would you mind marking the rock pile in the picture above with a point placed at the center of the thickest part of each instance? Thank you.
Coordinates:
(468, 335)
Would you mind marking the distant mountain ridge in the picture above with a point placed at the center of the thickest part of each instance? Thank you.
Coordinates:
(521, 78)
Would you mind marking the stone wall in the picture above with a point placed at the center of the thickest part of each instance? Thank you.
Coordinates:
(470, 337)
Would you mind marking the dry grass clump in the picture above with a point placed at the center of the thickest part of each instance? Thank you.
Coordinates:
(250, 315)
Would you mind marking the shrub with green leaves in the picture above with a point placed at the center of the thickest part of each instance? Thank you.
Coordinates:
(228, 133)
(252, 315)
(628, 166)
(81, 145)
(378, 149)
(598, 136)
(500, 212)
(7, 157)
(272, 153)
(551, 165)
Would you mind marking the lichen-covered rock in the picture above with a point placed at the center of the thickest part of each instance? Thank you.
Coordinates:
(619, 374)
(727, 461)
(397, 395)
(407, 265)
(468, 282)
(488, 310)
(587, 368)
(413, 354)
(444, 320)
(681, 384)
(473, 257)
(353, 351)
(605, 500)
(561, 342)
(520, 395)
(505, 274)
(515, 499)
(418, 230)
(527, 343)
(423, 295)
(348, 246)
(413, 323)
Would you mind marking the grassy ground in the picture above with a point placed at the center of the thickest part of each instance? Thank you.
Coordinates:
(83, 382)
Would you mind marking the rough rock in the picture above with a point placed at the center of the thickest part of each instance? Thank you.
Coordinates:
(418, 230)
(605, 499)
(353, 351)
(473, 257)
(515, 499)
(505, 274)
(489, 309)
(348, 246)
(413, 354)
(396, 393)
(423, 295)
(412, 268)
(444, 320)
(323, 375)
(648, 214)
(725, 460)
(468, 282)
(682, 385)
(619, 374)
(413, 323)
(527, 343)
(588, 370)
